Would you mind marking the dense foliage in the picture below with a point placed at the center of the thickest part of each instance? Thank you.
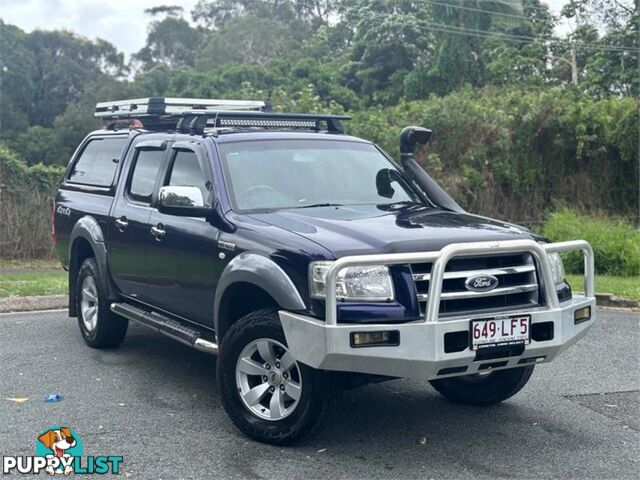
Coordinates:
(517, 154)
(616, 244)
(524, 120)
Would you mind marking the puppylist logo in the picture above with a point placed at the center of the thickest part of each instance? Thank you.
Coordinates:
(59, 452)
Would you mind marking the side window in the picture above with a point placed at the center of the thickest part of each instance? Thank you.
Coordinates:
(143, 178)
(186, 171)
(96, 165)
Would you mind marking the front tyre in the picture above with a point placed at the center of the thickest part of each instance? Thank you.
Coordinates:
(484, 389)
(100, 327)
(267, 394)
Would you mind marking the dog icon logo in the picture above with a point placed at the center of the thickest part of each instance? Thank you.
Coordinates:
(60, 443)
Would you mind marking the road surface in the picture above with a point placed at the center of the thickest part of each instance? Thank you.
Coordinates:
(156, 403)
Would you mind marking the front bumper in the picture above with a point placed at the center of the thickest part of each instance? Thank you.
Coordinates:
(421, 350)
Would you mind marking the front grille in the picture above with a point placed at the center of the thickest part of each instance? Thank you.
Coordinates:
(517, 284)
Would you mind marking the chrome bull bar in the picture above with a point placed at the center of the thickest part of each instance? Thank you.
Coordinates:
(441, 258)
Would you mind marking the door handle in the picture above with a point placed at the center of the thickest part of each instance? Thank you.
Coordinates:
(158, 231)
(121, 223)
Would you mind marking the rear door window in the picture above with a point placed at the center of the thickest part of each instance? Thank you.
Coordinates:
(143, 178)
(98, 162)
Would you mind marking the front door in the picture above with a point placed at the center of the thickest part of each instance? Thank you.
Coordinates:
(128, 232)
(182, 256)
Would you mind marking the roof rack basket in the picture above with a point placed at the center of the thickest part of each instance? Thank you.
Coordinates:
(193, 115)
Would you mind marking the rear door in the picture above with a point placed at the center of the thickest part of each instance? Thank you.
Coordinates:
(183, 264)
(88, 186)
(129, 221)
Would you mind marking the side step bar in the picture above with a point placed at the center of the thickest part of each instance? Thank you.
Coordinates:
(167, 326)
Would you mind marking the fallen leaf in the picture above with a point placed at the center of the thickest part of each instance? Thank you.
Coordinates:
(322, 450)
(17, 399)
(422, 440)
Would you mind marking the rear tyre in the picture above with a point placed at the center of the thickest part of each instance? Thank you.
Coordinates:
(484, 389)
(100, 327)
(267, 394)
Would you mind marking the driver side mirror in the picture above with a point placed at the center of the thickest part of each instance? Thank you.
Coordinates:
(182, 202)
(384, 180)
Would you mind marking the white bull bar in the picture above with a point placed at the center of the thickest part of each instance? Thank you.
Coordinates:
(326, 344)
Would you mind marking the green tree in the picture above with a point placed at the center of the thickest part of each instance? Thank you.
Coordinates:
(247, 40)
(296, 14)
(171, 42)
(44, 71)
(524, 61)
(602, 50)
(388, 40)
(464, 29)
(19, 77)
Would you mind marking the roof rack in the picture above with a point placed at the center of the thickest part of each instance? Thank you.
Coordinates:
(192, 115)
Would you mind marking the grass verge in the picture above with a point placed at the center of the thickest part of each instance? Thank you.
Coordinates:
(29, 264)
(26, 283)
(627, 287)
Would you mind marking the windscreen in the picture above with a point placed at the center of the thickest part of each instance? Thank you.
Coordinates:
(282, 174)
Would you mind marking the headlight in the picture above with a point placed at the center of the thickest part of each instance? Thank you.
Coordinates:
(557, 268)
(365, 284)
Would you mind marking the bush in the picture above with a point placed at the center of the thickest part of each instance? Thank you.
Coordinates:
(26, 195)
(519, 154)
(616, 244)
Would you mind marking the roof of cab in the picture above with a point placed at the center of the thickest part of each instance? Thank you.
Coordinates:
(242, 136)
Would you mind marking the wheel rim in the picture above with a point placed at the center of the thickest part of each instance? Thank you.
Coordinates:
(89, 303)
(268, 379)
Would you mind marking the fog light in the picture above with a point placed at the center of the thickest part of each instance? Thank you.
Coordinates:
(582, 315)
(390, 338)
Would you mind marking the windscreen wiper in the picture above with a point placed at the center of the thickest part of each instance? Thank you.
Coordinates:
(404, 203)
(320, 205)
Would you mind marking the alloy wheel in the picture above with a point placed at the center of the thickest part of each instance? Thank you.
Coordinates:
(268, 379)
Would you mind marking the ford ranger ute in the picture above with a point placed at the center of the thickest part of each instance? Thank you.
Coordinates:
(306, 259)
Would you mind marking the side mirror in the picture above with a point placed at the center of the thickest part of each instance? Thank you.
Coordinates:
(183, 202)
(411, 137)
(383, 183)
(384, 179)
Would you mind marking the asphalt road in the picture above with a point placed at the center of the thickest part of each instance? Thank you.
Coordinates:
(156, 403)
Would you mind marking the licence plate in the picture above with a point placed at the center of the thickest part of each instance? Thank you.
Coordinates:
(495, 332)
